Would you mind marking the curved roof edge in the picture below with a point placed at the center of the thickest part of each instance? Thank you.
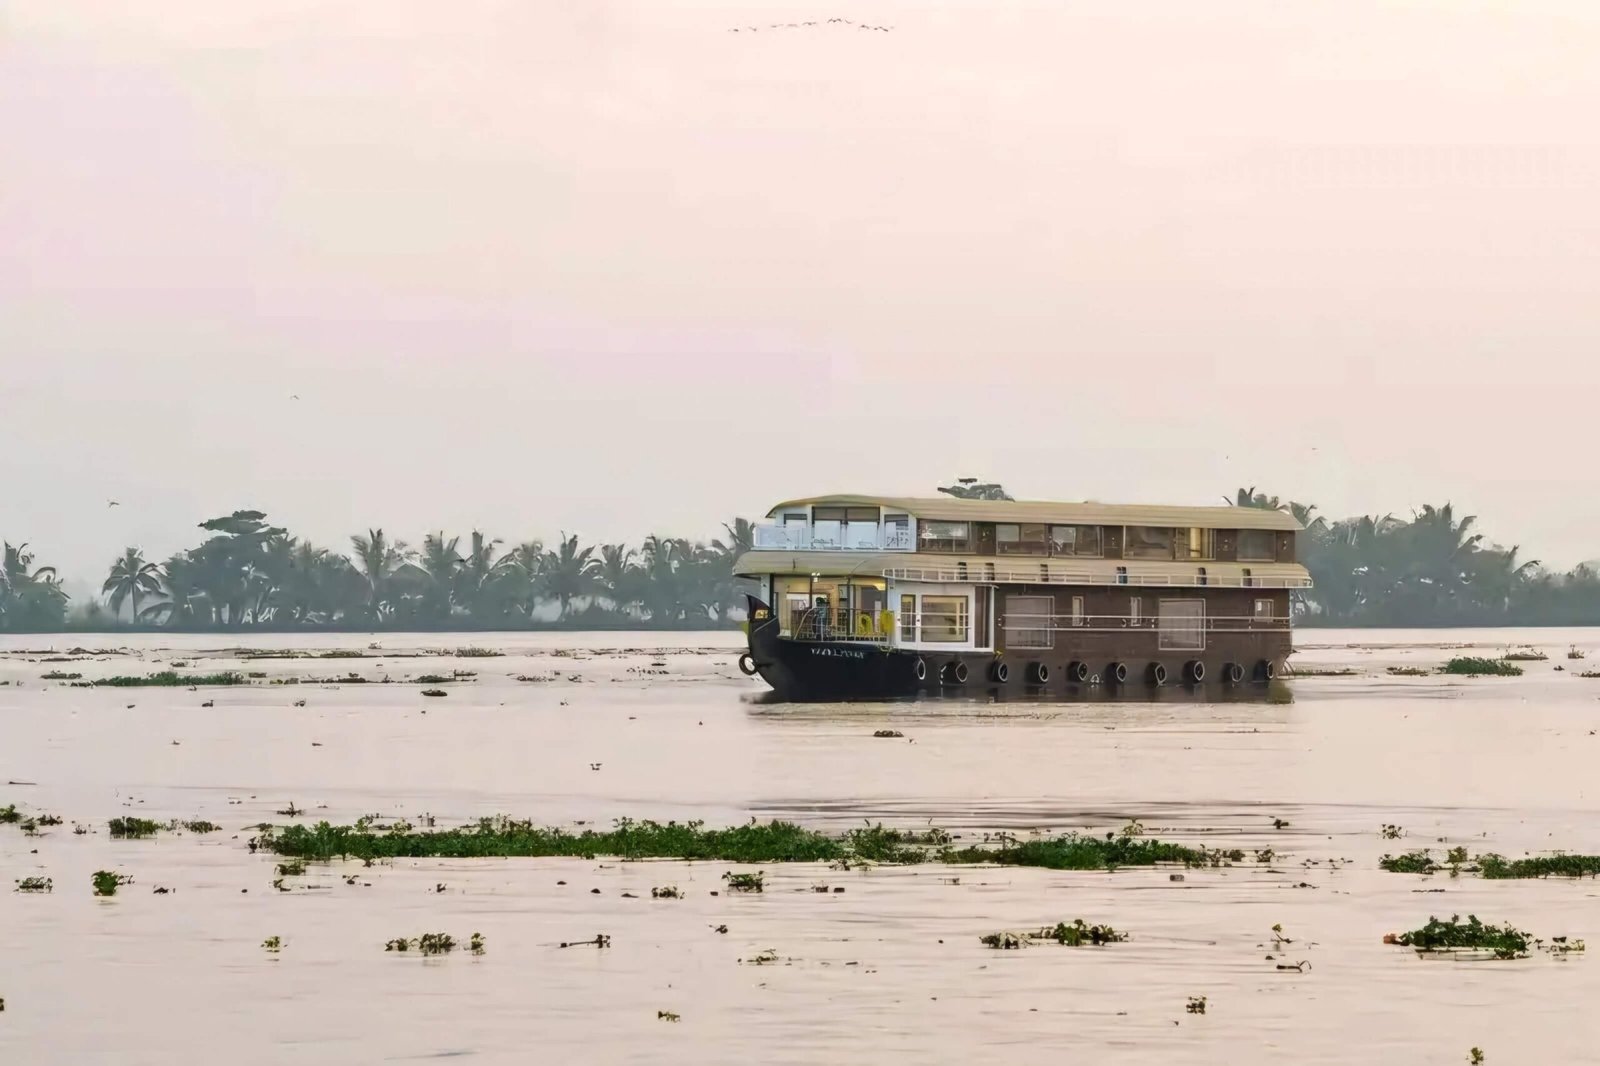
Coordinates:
(952, 509)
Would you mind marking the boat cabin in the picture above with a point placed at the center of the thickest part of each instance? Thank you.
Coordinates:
(1030, 581)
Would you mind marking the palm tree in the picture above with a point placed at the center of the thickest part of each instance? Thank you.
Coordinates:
(568, 572)
(1306, 515)
(521, 583)
(482, 574)
(131, 578)
(1498, 577)
(970, 488)
(29, 598)
(664, 565)
(442, 563)
(1251, 498)
(741, 538)
(618, 576)
(378, 561)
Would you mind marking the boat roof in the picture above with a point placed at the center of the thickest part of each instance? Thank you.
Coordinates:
(950, 508)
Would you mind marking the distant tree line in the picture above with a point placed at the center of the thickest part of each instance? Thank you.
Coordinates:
(249, 574)
(1432, 569)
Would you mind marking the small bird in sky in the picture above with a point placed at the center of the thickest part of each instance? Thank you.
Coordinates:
(113, 503)
(294, 396)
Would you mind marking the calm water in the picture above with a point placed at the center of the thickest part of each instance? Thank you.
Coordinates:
(890, 967)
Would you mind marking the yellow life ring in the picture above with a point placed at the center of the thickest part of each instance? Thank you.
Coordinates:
(863, 624)
(886, 622)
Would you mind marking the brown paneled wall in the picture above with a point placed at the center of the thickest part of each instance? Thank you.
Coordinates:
(1143, 641)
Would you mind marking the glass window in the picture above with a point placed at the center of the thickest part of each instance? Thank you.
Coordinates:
(1257, 545)
(1148, 542)
(861, 532)
(1181, 625)
(944, 619)
(1077, 611)
(1075, 540)
(1025, 539)
(908, 617)
(944, 536)
(1135, 608)
(896, 531)
(1200, 541)
(1263, 611)
(826, 533)
(1028, 622)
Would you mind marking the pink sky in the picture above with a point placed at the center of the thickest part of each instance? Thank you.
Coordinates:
(606, 267)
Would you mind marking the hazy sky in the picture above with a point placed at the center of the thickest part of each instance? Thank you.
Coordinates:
(607, 267)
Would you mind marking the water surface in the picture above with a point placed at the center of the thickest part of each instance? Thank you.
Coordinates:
(890, 967)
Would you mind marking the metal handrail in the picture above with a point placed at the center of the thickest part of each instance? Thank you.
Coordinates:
(984, 573)
(843, 623)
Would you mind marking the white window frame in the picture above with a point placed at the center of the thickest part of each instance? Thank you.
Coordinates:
(922, 590)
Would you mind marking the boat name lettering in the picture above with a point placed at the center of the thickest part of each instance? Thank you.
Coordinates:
(843, 653)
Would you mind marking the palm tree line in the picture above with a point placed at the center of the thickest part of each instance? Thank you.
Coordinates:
(1431, 569)
(250, 574)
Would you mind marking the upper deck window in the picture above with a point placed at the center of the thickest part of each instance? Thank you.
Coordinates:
(1257, 546)
(897, 531)
(1075, 540)
(844, 527)
(944, 536)
(1024, 539)
(1148, 542)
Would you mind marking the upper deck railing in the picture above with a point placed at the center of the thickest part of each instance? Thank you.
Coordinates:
(843, 623)
(1046, 573)
(832, 536)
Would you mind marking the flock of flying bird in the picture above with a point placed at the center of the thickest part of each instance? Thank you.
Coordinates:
(804, 25)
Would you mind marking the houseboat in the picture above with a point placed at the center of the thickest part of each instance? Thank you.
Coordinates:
(876, 597)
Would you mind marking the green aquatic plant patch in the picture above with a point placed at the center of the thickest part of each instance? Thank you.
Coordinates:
(1080, 852)
(1491, 866)
(1503, 941)
(1476, 666)
(172, 679)
(1412, 862)
(134, 827)
(1497, 867)
(754, 842)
